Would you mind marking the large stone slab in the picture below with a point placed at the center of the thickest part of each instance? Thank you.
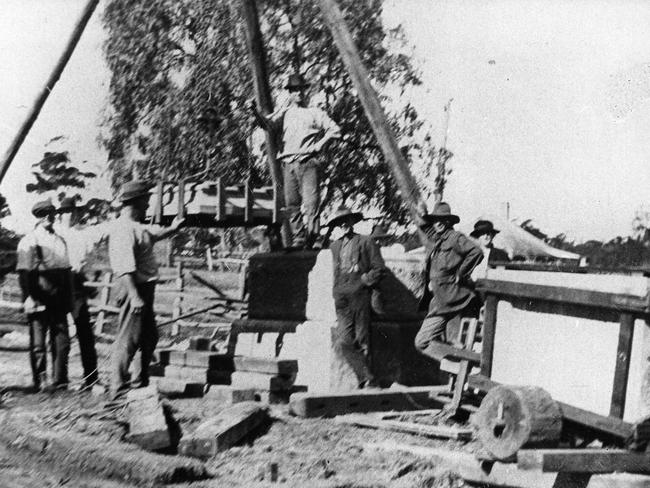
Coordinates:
(146, 418)
(273, 366)
(229, 395)
(261, 381)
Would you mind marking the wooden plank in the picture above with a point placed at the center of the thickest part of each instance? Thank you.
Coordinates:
(224, 430)
(197, 375)
(221, 201)
(621, 373)
(463, 370)
(489, 330)
(241, 326)
(442, 351)
(248, 202)
(589, 298)
(266, 365)
(584, 460)
(339, 403)
(372, 106)
(435, 431)
(611, 427)
(261, 381)
(481, 473)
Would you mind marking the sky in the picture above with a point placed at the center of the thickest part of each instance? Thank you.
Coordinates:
(550, 111)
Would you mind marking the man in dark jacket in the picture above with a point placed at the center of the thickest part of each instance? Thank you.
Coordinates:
(484, 233)
(448, 293)
(358, 266)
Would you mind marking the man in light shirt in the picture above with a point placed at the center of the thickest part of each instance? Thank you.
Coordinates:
(304, 131)
(45, 279)
(131, 252)
(80, 242)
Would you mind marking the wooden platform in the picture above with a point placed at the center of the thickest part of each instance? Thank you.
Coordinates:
(212, 204)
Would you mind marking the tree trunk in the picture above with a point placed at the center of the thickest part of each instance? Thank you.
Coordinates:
(33, 113)
(513, 416)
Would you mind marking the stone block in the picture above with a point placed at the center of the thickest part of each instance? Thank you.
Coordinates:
(261, 381)
(210, 360)
(146, 418)
(279, 397)
(161, 355)
(198, 375)
(199, 343)
(177, 357)
(175, 388)
(273, 366)
(224, 430)
(229, 395)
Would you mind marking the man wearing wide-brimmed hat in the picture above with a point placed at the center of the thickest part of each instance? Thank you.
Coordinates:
(135, 269)
(305, 132)
(358, 266)
(44, 275)
(448, 294)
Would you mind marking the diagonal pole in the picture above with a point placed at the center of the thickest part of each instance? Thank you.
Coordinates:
(35, 110)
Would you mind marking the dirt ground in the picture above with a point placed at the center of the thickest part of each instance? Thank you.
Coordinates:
(308, 452)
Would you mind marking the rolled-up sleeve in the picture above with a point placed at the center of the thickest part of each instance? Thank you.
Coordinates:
(121, 247)
(26, 254)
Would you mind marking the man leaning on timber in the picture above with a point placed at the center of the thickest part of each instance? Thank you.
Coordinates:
(305, 130)
(358, 266)
(45, 279)
(131, 252)
(448, 292)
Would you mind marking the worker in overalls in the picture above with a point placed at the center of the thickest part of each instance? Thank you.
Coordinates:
(448, 293)
(358, 267)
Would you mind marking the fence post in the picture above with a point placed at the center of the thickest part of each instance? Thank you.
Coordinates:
(177, 309)
(104, 297)
(208, 257)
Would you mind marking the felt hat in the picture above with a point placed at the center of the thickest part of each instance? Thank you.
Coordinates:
(483, 227)
(343, 214)
(441, 211)
(379, 231)
(42, 208)
(134, 189)
(296, 81)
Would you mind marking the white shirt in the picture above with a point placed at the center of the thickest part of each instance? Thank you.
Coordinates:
(54, 251)
(81, 241)
(130, 249)
(302, 127)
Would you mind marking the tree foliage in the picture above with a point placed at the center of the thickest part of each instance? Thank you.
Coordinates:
(173, 61)
(55, 172)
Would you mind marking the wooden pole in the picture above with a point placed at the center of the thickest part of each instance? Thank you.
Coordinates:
(370, 101)
(257, 58)
(33, 113)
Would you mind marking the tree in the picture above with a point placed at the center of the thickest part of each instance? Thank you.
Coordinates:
(55, 172)
(174, 60)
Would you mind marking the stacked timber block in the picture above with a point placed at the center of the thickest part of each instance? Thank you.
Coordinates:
(271, 379)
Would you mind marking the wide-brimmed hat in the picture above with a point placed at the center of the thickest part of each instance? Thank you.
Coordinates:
(343, 214)
(441, 211)
(296, 81)
(135, 189)
(380, 231)
(483, 227)
(42, 208)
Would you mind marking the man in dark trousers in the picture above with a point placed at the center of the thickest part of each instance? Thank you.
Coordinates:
(305, 131)
(44, 275)
(135, 270)
(448, 293)
(358, 266)
(80, 241)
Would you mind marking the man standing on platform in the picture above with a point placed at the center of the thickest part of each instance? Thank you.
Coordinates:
(131, 252)
(44, 276)
(304, 131)
(80, 242)
(358, 266)
(448, 293)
